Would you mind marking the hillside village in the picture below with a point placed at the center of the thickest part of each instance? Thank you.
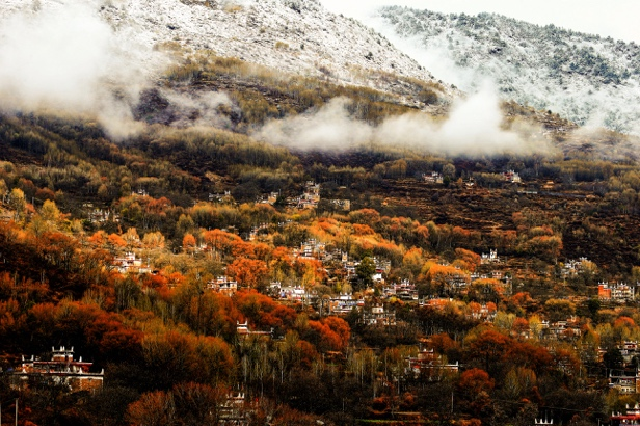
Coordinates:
(291, 223)
(446, 270)
(368, 293)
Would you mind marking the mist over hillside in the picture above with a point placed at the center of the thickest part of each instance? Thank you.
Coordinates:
(97, 57)
(591, 80)
(304, 77)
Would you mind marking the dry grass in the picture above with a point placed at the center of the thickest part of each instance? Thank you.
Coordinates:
(230, 7)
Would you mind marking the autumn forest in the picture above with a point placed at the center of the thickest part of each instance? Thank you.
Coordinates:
(209, 277)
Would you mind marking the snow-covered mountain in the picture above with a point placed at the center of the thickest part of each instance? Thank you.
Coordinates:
(95, 56)
(586, 78)
(292, 36)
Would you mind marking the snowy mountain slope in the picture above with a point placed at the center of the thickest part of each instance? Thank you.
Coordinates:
(586, 78)
(79, 55)
(292, 36)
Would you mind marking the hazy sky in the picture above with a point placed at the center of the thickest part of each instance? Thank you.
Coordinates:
(615, 18)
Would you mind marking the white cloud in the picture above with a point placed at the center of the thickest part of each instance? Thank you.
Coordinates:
(472, 128)
(198, 109)
(66, 58)
(329, 129)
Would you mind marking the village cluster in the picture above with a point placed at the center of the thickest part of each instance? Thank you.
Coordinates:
(375, 305)
(367, 292)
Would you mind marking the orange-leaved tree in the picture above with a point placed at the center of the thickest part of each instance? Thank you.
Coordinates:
(248, 272)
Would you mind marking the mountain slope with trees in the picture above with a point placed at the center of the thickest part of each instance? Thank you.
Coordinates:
(586, 78)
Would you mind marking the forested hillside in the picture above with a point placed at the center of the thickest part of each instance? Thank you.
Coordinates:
(193, 206)
(247, 246)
